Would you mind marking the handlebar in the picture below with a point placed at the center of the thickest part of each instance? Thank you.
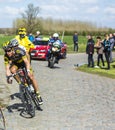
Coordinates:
(19, 71)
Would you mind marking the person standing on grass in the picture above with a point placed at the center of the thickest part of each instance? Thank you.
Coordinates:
(114, 41)
(90, 50)
(99, 48)
(111, 39)
(75, 41)
(31, 37)
(107, 48)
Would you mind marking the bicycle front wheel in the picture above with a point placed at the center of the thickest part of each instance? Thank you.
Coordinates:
(29, 104)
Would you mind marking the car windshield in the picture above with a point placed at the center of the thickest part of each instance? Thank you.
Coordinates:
(41, 42)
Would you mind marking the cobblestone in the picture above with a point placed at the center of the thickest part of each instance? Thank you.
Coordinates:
(73, 100)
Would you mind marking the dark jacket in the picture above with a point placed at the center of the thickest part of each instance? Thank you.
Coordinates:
(107, 45)
(90, 46)
(75, 38)
(112, 41)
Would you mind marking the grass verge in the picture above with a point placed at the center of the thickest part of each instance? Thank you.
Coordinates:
(102, 71)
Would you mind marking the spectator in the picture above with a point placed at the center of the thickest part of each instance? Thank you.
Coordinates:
(31, 37)
(75, 41)
(112, 40)
(99, 48)
(106, 44)
(90, 51)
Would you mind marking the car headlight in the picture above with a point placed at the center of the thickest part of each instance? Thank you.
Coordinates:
(42, 51)
(37, 51)
(55, 49)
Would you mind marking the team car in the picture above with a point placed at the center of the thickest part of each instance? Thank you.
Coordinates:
(41, 49)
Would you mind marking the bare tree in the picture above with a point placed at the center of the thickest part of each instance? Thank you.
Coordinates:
(30, 19)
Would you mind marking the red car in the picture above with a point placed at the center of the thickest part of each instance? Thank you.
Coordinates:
(41, 49)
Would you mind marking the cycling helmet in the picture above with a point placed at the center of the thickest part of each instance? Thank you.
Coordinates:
(55, 35)
(6, 46)
(22, 32)
(13, 43)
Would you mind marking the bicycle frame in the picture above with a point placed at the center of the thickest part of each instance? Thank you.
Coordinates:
(28, 97)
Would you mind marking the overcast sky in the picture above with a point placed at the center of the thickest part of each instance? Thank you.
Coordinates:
(100, 12)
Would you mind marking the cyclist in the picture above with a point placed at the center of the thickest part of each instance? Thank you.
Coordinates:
(15, 58)
(24, 41)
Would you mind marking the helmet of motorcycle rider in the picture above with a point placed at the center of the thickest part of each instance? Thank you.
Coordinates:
(55, 35)
(22, 32)
(13, 43)
(38, 32)
(6, 46)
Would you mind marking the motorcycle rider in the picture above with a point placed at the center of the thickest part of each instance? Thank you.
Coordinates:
(24, 41)
(55, 41)
(14, 59)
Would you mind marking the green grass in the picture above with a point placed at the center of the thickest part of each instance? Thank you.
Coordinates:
(3, 39)
(67, 39)
(99, 71)
(82, 46)
(82, 43)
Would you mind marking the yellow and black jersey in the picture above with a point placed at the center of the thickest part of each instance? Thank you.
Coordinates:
(17, 58)
(25, 42)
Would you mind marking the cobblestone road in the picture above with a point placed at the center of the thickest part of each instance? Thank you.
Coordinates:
(73, 100)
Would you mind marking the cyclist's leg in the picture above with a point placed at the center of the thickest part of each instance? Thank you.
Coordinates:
(36, 87)
(34, 82)
(13, 70)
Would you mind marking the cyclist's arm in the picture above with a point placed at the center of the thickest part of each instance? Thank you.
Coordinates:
(7, 65)
(7, 70)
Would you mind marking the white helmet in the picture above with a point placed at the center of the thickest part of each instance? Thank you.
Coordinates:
(38, 32)
(55, 35)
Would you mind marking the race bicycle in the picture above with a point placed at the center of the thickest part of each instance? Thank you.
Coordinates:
(28, 96)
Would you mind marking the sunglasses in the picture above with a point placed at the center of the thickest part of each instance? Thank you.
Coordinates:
(8, 50)
(21, 31)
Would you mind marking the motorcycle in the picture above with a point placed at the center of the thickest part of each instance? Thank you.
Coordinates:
(54, 54)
